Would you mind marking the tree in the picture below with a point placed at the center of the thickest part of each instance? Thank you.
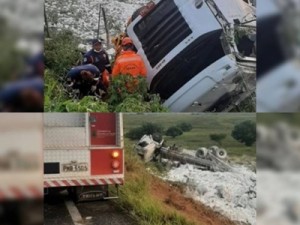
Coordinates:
(174, 132)
(245, 132)
(147, 128)
(217, 138)
(152, 128)
(185, 127)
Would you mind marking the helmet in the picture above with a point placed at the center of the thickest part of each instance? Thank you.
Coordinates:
(96, 41)
(126, 41)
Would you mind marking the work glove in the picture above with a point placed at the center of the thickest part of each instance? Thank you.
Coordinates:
(93, 88)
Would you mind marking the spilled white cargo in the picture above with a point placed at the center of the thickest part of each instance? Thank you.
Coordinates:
(233, 194)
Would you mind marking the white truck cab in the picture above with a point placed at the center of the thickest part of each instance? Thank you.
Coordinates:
(189, 62)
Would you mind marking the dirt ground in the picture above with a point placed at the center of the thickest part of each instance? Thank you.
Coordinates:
(174, 199)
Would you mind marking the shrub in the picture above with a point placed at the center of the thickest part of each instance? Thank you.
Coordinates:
(245, 132)
(61, 52)
(174, 132)
(185, 127)
(147, 128)
(217, 138)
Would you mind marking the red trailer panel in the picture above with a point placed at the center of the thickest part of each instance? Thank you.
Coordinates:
(103, 129)
(107, 161)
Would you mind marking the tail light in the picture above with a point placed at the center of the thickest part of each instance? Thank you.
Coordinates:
(115, 154)
(115, 164)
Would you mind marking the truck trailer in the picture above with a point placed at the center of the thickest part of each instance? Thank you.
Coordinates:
(83, 153)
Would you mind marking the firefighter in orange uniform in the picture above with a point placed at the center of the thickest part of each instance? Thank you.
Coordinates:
(129, 63)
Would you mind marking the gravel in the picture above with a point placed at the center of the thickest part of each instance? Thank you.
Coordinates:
(233, 194)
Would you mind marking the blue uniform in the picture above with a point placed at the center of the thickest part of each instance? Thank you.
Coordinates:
(99, 59)
(74, 73)
(14, 89)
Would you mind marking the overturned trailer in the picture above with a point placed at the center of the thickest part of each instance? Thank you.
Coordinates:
(197, 51)
(213, 158)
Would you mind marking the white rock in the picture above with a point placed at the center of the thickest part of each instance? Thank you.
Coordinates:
(232, 194)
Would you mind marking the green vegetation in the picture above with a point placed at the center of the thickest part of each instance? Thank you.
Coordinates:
(56, 99)
(125, 94)
(61, 52)
(245, 132)
(11, 58)
(136, 197)
(271, 118)
(217, 138)
(173, 132)
(203, 126)
(146, 128)
(185, 127)
(157, 130)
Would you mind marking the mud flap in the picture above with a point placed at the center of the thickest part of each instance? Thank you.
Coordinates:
(88, 193)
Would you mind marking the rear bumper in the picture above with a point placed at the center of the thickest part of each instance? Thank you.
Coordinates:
(54, 183)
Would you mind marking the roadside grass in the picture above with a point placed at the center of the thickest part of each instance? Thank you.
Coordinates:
(135, 195)
(271, 118)
(54, 94)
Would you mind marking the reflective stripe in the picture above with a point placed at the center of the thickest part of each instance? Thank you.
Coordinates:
(83, 182)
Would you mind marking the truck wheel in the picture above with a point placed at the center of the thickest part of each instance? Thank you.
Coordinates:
(201, 153)
(214, 150)
(221, 153)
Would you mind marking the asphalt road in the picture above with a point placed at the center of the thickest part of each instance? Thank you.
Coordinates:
(60, 210)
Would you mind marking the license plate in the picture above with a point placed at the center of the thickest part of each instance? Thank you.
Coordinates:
(75, 167)
(91, 195)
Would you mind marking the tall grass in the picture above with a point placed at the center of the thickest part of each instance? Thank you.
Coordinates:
(136, 198)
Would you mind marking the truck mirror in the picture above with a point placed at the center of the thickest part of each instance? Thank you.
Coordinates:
(198, 3)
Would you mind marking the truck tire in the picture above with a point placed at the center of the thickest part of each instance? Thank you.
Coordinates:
(201, 152)
(221, 153)
(214, 150)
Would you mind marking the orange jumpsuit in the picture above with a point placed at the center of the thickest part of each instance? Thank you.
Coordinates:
(129, 63)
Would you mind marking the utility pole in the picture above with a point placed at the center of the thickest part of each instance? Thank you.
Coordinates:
(46, 23)
(106, 28)
(98, 31)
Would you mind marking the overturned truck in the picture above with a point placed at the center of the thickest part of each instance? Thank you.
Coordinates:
(200, 54)
(152, 148)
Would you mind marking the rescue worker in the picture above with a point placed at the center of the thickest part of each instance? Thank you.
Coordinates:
(98, 57)
(129, 63)
(117, 42)
(23, 96)
(86, 78)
